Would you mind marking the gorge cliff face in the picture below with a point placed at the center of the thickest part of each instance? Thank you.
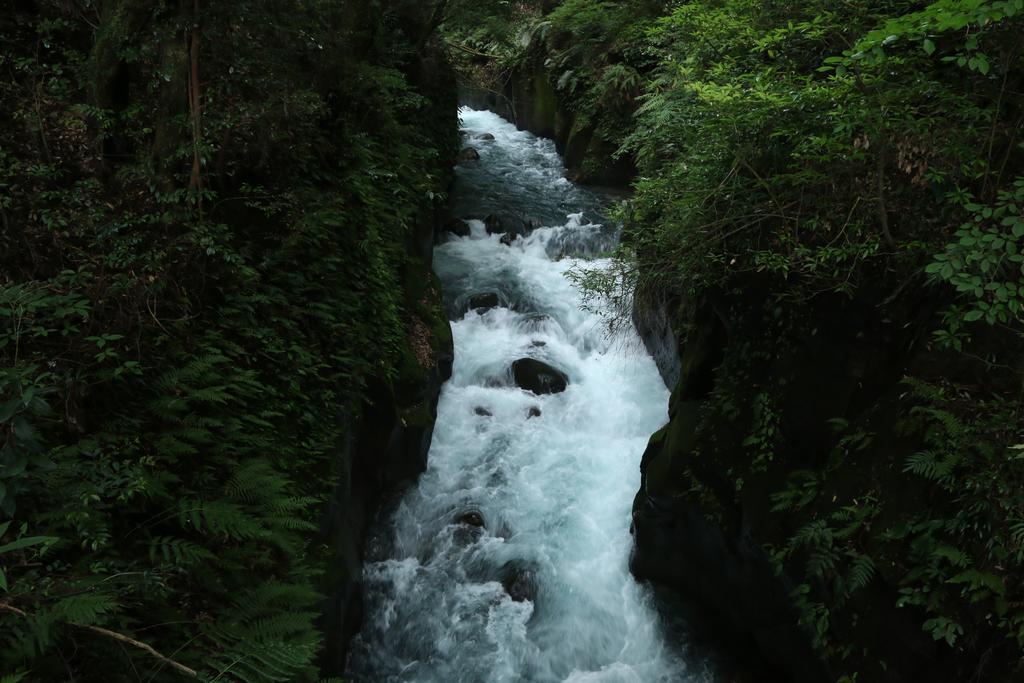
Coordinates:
(529, 99)
(784, 459)
(392, 429)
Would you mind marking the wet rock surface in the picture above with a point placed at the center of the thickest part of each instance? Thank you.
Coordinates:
(457, 227)
(470, 518)
(519, 579)
(484, 302)
(538, 377)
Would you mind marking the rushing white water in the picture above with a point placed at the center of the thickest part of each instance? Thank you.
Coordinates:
(554, 491)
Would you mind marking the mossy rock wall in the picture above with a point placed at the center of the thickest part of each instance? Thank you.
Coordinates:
(393, 428)
(707, 520)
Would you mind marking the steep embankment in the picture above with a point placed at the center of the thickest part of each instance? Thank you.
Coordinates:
(566, 74)
(221, 340)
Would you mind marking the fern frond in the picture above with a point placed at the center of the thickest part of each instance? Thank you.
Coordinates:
(219, 517)
(178, 551)
(83, 609)
(861, 572)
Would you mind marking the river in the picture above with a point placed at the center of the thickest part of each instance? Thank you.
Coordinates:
(541, 592)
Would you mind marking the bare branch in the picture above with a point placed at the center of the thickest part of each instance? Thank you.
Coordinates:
(119, 637)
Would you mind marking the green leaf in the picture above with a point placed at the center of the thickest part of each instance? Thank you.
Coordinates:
(929, 46)
(973, 315)
(9, 409)
(982, 64)
(26, 542)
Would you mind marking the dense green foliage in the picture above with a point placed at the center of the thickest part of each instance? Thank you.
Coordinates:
(838, 152)
(800, 163)
(206, 213)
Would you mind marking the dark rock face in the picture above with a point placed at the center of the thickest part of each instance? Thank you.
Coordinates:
(652, 316)
(457, 227)
(718, 566)
(510, 228)
(389, 451)
(484, 302)
(519, 580)
(469, 154)
(538, 377)
(832, 359)
(392, 429)
(531, 102)
(729, 577)
(494, 224)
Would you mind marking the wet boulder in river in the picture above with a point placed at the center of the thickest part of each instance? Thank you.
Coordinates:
(533, 412)
(494, 224)
(457, 227)
(486, 137)
(470, 518)
(519, 580)
(469, 154)
(484, 302)
(482, 412)
(509, 227)
(538, 377)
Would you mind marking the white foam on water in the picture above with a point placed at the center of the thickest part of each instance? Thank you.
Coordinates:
(555, 491)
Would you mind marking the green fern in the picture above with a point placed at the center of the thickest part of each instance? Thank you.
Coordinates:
(83, 609)
(178, 551)
(860, 574)
(220, 518)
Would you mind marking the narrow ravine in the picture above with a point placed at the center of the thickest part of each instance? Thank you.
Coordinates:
(508, 561)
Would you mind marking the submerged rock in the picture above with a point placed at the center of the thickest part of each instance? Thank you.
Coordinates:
(486, 137)
(538, 377)
(482, 412)
(533, 412)
(535, 322)
(519, 579)
(509, 227)
(470, 518)
(469, 154)
(484, 302)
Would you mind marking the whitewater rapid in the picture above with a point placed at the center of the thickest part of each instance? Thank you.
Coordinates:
(553, 491)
